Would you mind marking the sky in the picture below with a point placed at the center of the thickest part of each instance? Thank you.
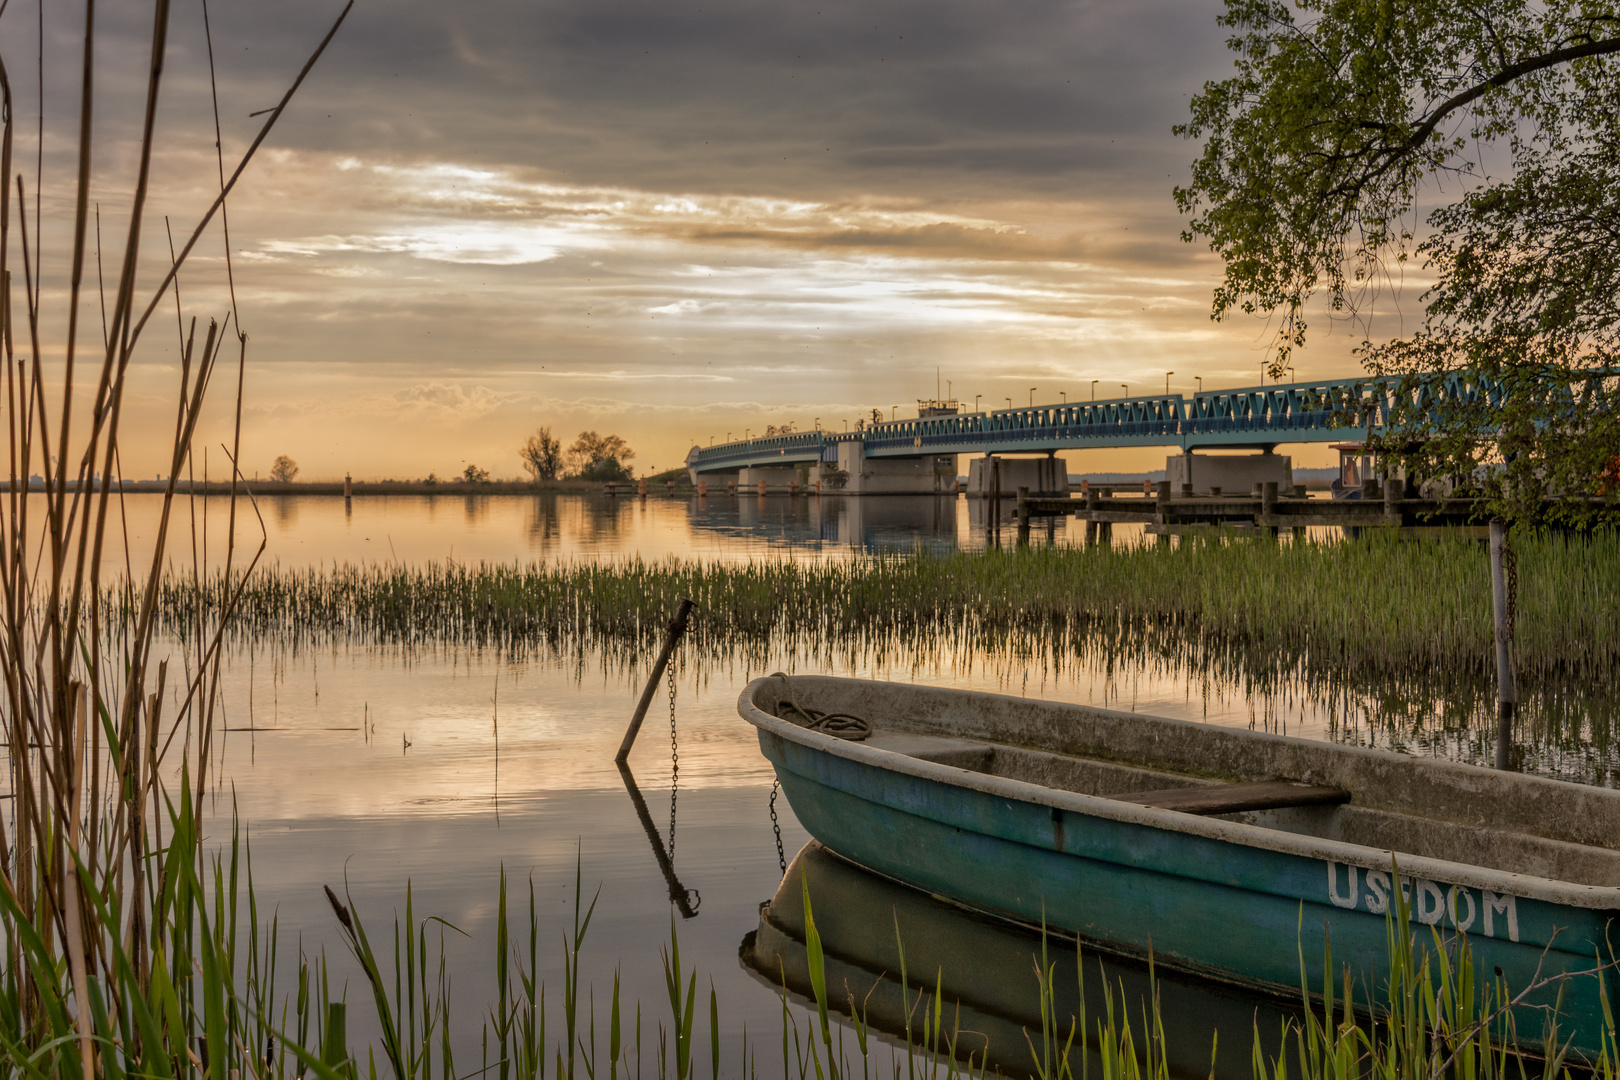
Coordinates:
(671, 221)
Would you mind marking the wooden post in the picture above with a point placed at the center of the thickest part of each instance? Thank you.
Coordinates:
(703, 489)
(348, 486)
(1268, 507)
(1392, 500)
(1506, 692)
(1163, 500)
(641, 487)
(1023, 517)
(677, 627)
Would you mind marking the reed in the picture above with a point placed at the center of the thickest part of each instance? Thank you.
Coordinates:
(120, 947)
(1376, 606)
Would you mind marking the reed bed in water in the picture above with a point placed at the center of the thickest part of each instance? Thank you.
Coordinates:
(1373, 606)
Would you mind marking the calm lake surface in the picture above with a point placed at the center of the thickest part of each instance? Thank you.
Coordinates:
(369, 767)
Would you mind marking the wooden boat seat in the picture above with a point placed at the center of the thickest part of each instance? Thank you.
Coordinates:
(1231, 798)
(942, 750)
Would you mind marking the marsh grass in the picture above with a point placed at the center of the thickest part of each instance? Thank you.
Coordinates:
(1380, 605)
(1389, 640)
(120, 957)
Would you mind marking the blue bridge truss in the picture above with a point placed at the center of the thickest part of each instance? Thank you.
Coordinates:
(1256, 416)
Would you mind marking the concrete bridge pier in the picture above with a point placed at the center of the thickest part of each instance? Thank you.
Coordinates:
(1045, 476)
(773, 477)
(1228, 472)
(857, 474)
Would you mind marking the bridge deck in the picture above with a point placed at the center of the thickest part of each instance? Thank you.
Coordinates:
(1244, 417)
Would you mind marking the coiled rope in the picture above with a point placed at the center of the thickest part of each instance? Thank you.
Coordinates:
(838, 725)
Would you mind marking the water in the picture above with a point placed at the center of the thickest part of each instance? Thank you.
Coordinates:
(369, 767)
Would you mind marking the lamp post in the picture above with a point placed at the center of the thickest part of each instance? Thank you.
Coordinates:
(1009, 403)
(892, 410)
(1094, 383)
(728, 436)
(1065, 395)
(818, 423)
(748, 433)
(976, 398)
(1124, 390)
(1167, 382)
(1032, 397)
(1200, 379)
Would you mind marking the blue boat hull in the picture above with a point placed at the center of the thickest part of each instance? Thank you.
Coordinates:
(1231, 911)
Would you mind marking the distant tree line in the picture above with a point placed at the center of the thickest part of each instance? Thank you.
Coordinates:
(591, 457)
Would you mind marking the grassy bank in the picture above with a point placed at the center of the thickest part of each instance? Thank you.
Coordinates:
(1373, 607)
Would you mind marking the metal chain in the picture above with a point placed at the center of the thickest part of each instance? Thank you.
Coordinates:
(674, 763)
(781, 856)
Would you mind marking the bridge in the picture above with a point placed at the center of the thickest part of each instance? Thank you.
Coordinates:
(1253, 417)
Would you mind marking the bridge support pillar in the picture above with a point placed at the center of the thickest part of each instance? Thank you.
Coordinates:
(1228, 472)
(772, 478)
(1045, 476)
(857, 474)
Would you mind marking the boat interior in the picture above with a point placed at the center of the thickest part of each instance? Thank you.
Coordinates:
(1408, 805)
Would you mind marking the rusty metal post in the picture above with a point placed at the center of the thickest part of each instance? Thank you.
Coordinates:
(677, 627)
(1507, 696)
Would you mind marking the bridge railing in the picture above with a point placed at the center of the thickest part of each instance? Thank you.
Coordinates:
(1268, 413)
(790, 449)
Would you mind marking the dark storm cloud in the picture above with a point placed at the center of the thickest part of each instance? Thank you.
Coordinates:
(739, 95)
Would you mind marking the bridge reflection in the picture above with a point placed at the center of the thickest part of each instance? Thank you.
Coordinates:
(898, 523)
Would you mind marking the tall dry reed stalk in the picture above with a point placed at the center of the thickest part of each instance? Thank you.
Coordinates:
(100, 858)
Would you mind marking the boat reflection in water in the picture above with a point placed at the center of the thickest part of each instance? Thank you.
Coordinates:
(987, 970)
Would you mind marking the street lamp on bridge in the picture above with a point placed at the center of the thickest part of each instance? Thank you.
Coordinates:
(1009, 403)
(1032, 397)
(1094, 383)
(976, 398)
(1124, 390)
(818, 423)
(1200, 379)
(1167, 382)
(1065, 395)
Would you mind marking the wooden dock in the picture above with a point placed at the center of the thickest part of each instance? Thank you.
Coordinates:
(1262, 511)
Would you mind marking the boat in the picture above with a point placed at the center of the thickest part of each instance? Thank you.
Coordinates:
(1229, 854)
(984, 971)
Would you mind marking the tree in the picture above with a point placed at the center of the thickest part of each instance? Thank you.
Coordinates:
(542, 456)
(1340, 118)
(472, 474)
(284, 469)
(599, 457)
